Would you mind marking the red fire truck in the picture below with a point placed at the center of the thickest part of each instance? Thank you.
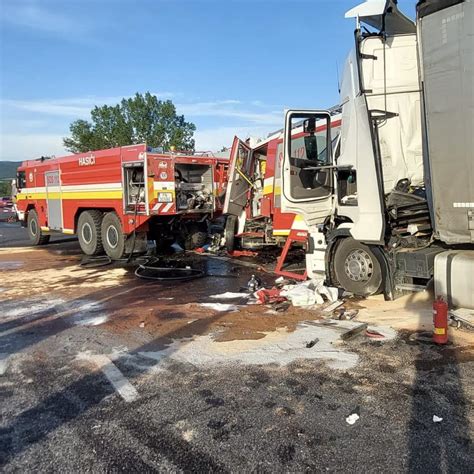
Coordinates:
(253, 198)
(117, 199)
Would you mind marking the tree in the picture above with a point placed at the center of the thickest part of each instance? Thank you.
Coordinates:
(140, 119)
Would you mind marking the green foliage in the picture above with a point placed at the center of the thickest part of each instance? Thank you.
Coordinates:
(141, 119)
(5, 188)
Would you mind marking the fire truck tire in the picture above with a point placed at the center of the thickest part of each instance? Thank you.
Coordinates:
(229, 232)
(196, 237)
(113, 238)
(88, 232)
(34, 230)
(356, 268)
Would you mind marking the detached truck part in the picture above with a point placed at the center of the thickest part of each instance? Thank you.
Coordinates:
(401, 192)
(117, 199)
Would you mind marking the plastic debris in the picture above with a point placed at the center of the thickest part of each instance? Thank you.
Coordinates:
(351, 419)
(353, 332)
(243, 253)
(308, 293)
(437, 419)
(142, 325)
(333, 306)
(265, 296)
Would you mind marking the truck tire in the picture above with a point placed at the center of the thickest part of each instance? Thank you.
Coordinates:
(88, 232)
(113, 238)
(229, 232)
(356, 268)
(34, 230)
(196, 237)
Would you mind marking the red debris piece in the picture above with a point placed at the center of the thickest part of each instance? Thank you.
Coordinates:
(243, 253)
(265, 296)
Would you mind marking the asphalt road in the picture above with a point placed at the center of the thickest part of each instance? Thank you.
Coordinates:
(79, 395)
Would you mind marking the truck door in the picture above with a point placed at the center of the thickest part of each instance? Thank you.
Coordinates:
(53, 200)
(239, 182)
(307, 177)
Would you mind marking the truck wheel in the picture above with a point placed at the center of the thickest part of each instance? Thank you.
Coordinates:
(88, 232)
(229, 232)
(356, 268)
(196, 237)
(34, 230)
(112, 236)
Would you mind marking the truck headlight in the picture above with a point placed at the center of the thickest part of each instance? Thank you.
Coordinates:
(165, 197)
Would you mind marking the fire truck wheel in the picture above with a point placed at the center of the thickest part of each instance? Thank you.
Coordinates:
(88, 232)
(34, 230)
(229, 232)
(196, 237)
(112, 236)
(356, 268)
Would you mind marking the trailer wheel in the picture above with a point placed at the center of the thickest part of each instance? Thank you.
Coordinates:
(34, 230)
(229, 232)
(88, 232)
(196, 237)
(356, 268)
(112, 236)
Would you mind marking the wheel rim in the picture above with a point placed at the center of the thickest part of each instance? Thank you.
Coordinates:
(86, 233)
(112, 236)
(33, 227)
(359, 265)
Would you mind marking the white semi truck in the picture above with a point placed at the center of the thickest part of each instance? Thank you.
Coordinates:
(392, 204)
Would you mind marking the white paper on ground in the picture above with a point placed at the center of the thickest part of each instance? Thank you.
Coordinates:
(437, 419)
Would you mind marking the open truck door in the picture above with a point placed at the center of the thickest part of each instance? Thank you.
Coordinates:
(239, 181)
(308, 169)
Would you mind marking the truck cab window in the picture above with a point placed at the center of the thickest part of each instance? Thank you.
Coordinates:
(308, 157)
(21, 180)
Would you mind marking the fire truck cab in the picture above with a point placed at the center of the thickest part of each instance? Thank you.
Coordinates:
(117, 199)
(253, 200)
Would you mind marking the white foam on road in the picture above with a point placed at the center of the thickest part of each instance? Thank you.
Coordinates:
(3, 363)
(220, 306)
(121, 384)
(278, 347)
(229, 295)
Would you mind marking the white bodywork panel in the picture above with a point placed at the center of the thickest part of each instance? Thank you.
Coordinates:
(372, 11)
(397, 91)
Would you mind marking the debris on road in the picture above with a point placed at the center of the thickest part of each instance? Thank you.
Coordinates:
(345, 336)
(265, 296)
(352, 418)
(333, 306)
(437, 419)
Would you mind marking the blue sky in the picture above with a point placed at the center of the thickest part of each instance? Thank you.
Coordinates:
(230, 66)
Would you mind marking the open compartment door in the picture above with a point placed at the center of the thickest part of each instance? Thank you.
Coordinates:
(239, 181)
(308, 170)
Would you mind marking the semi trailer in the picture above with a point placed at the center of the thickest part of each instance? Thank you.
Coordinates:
(394, 206)
(116, 200)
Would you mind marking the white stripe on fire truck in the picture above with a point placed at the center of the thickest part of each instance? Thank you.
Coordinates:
(167, 207)
(163, 185)
(157, 206)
